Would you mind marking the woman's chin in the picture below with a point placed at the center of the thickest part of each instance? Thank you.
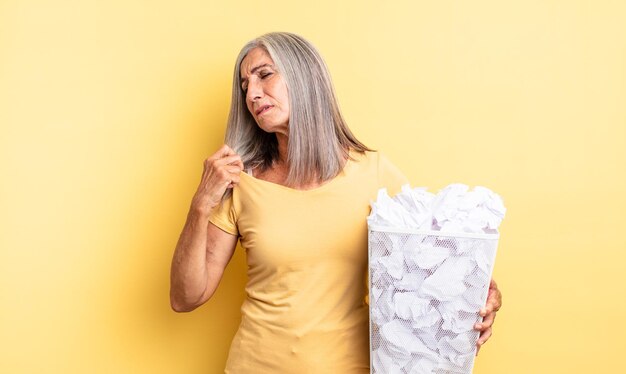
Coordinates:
(272, 129)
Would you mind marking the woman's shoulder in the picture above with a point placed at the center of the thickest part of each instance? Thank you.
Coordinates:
(387, 174)
(365, 157)
(374, 160)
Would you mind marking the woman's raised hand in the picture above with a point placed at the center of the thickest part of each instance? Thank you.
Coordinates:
(221, 171)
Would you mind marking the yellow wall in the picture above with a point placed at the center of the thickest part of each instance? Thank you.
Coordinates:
(108, 108)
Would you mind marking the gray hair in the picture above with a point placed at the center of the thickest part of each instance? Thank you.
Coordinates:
(319, 139)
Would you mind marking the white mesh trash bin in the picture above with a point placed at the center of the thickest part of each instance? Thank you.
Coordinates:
(426, 288)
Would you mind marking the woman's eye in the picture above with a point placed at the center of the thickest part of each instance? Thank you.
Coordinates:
(263, 75)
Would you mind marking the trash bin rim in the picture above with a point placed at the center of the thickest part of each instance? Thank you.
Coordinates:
(401, 230)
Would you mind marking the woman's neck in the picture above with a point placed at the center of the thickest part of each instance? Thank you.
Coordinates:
(283, 147)
(278, 172)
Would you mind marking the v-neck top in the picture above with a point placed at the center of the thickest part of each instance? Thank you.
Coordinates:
(306, 251)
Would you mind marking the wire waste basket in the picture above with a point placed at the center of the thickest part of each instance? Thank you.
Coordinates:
(425, 290)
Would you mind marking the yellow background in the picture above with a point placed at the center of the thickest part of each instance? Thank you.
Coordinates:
(108, 108)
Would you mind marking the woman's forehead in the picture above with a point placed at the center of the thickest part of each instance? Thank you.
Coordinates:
(254, 60)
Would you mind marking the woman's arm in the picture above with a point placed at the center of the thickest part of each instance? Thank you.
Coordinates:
(203, 250)
(201, 256)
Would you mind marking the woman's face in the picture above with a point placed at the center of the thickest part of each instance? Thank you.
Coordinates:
(266, 92)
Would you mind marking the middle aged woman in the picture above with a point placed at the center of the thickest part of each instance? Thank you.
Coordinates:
(294, 186)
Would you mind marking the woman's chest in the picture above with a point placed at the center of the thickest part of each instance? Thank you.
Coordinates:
(305, 228)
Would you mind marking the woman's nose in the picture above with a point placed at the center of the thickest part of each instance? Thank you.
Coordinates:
(254, 91)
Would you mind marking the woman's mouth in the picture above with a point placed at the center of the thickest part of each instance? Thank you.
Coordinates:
(264, 109)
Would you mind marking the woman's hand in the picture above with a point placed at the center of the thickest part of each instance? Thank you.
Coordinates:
(221, 171)
(494, 303)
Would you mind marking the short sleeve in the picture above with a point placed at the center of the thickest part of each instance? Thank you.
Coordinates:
(389, 176)
(224, 216)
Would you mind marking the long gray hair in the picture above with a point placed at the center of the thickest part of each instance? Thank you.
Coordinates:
(319, 139)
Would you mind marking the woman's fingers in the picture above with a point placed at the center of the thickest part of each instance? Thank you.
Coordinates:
(224, 156)
(484, 336)
(486, 323)
(222, 168)
(228, 160)
(234, 179)
(230, 170)
(233, 169)
(494, 300)
(225, 174)
(224, 151)
(221, 171)
(494, 303)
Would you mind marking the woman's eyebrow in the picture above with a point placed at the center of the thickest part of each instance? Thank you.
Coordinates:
(254, 69)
